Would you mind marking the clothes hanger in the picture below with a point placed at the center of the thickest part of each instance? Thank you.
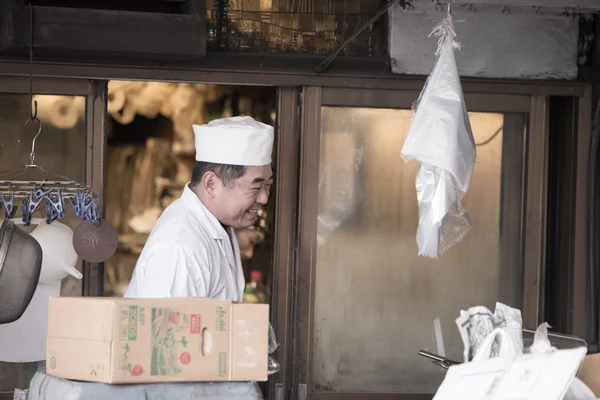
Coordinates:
(54, 191)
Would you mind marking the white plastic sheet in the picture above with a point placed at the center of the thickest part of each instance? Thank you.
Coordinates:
(273, 365)
(477, 324)
(441, 140)
(541, 345)
(25, 339)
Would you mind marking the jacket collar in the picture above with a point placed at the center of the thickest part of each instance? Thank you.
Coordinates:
(211, 224)
(195, 205)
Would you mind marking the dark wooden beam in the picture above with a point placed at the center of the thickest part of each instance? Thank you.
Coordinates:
(266, 69)
(126, 34)
(12, 24)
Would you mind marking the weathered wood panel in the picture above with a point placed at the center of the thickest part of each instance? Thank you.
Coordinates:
(128, 34)
(528, 47)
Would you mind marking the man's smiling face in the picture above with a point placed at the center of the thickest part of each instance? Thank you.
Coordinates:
(240, 201)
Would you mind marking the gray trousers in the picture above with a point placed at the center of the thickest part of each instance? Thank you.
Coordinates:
(45, 387)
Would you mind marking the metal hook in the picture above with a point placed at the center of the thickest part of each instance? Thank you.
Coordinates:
(39, 123)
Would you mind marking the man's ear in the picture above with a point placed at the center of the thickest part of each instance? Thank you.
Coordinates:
(210, 183)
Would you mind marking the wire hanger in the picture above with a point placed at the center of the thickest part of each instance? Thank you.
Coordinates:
(54, 191)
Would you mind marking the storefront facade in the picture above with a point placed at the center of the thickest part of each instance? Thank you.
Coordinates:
(353, 288)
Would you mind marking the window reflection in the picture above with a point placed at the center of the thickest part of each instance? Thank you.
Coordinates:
(314, 27)
(151, 154)
(375, 299)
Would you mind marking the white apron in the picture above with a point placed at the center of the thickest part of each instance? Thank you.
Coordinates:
(188, 254)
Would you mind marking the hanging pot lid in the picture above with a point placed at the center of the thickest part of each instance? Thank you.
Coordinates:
(95, 243)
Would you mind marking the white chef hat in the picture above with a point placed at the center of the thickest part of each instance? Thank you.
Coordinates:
(235, 141)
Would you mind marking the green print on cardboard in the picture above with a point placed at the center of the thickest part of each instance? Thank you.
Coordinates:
(221, 324)
(126, 367)
(130, 317)
(129, 321)
(164, 355)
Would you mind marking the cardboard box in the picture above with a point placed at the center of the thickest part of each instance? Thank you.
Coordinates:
(114, 340)
(589, 373)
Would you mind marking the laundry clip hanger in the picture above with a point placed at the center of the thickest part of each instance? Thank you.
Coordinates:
(53, 189)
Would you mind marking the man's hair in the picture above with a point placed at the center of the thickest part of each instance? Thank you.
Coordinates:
(227, 173)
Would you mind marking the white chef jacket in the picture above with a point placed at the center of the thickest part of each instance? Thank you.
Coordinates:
(188, 254)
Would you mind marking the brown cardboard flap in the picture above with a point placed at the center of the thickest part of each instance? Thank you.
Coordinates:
(83, 360)
(250, 342)
(81, 318)
(589, 373)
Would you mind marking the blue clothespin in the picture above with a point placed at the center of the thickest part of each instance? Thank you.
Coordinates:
(58, 204)
(11, 208)
(51, 213)
(26, 214)
(39, 191)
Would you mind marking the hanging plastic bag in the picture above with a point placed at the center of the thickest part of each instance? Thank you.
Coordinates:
(273, 366)
(20, 394)
(441, 140)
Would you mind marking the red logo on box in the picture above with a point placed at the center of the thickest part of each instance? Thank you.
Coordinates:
(174, 318)
(137, 370)
(195, 323)
(185, 358)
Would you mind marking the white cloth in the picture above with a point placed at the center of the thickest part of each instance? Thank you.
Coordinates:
(234, 141)
(188, 254)
(25, 339)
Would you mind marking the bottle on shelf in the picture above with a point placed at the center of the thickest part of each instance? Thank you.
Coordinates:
(258, 287)
(249, 295)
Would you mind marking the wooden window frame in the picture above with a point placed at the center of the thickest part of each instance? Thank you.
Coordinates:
(481, 98)
(286, 195)
(95, 92)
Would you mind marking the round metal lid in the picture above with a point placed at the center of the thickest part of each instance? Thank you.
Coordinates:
(95, 243)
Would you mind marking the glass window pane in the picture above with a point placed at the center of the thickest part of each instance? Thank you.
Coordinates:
(150, 158)
(375, 299)
(60, 148)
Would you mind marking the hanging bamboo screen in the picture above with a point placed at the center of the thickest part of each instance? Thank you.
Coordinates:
(294, 26)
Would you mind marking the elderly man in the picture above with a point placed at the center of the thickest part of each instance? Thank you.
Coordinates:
(192, 250)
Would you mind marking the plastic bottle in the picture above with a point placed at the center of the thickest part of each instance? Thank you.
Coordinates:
(249, 295)
(258, 288)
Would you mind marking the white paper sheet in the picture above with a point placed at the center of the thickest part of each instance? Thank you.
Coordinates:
(25, 339)
(529, 377)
